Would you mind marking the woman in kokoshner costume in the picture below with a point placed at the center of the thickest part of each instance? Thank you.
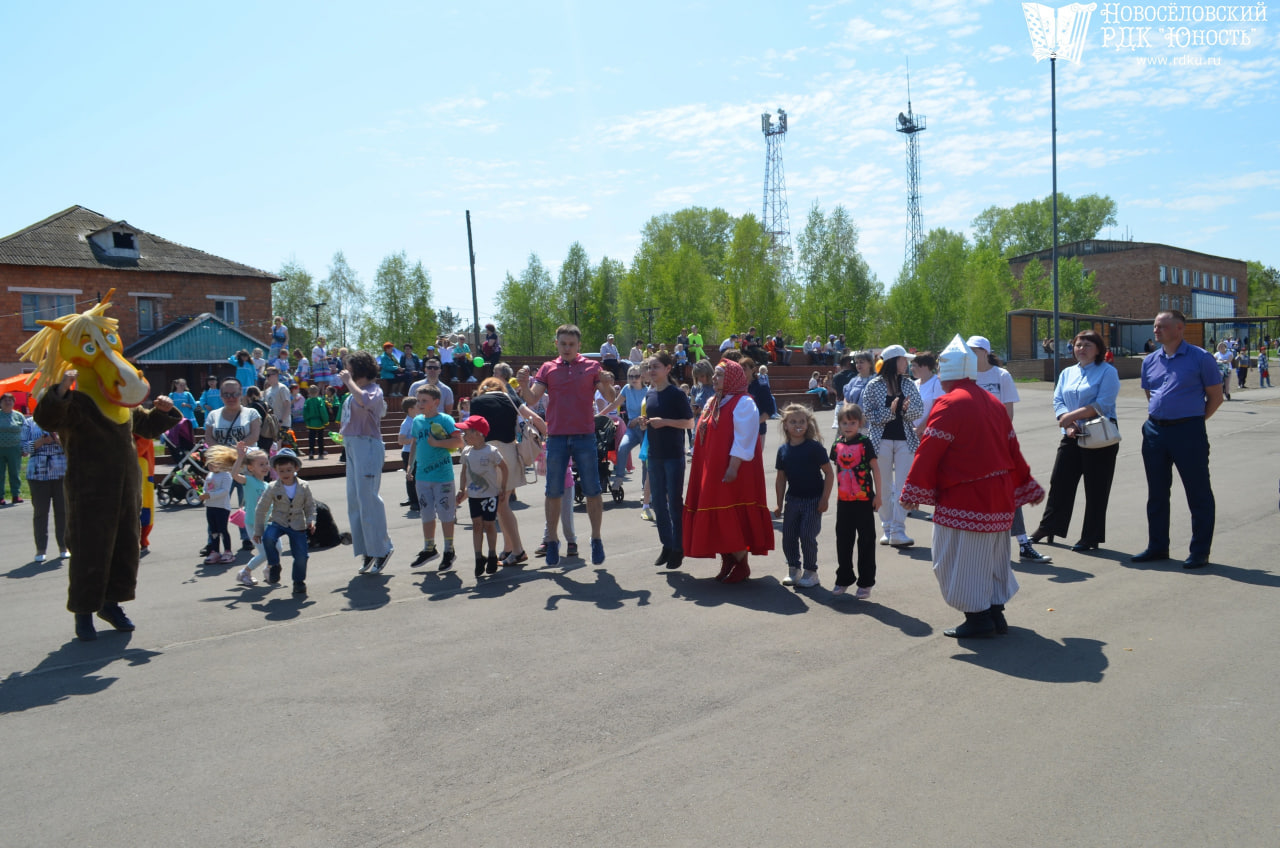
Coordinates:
(969, 466)
(726, 512)
(96, 422)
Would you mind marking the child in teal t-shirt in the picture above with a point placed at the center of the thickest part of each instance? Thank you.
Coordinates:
(435, 437)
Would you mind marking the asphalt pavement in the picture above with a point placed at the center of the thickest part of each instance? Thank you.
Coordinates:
(625, 705)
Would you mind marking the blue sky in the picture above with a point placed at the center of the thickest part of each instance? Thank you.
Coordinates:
(264, 132)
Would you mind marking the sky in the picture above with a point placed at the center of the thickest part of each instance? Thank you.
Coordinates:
(273, 131)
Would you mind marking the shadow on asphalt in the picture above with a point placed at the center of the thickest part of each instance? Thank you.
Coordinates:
(367, 591)
(69, 671)
(761, 594)
(34, 569)
(888, 616)
(1252, 576)
(603, 590)
(1024, 653)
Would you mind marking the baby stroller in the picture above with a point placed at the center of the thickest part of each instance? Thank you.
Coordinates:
(606, 435)
(183, 483)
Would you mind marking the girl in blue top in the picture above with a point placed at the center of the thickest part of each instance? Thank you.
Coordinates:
(1086, 390)
(183, 400)
(246, 372)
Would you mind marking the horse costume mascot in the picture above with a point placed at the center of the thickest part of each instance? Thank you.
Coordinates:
(96, 422)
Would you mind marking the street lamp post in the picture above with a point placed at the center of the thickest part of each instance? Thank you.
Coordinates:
(1054, 33)
(317, 307)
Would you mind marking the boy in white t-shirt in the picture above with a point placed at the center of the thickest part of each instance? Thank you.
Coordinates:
(483, 479)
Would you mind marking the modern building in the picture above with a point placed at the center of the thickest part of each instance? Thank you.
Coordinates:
(1138, 279)
(70, 260)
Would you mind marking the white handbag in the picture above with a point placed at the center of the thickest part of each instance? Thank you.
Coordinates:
(1098, 432)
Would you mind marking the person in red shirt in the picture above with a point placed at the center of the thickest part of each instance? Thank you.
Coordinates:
(570, 382)
(969, 466)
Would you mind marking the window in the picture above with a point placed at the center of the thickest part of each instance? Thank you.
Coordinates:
(1195, 279)
(148, 315)
(123, 241)
(227, 310)
(1164, 275)
(36, 307)
(1233, 285)
(1164, 302)
(1186, 277)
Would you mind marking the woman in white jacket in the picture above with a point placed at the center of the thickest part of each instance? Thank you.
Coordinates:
(891, 402)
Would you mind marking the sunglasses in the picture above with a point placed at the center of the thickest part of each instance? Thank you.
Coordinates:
(433, 367)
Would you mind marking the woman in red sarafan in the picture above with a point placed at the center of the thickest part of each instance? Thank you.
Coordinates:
(725, 509)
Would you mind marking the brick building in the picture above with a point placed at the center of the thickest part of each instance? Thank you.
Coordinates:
(1138, 279)
(71, 259)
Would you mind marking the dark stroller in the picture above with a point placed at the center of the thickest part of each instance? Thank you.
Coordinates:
(606, 439)
(183, 483)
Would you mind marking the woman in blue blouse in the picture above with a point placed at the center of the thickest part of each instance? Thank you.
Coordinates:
(1086, 390)
(183, 401)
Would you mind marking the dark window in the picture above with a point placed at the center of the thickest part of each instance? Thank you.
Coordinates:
(123, 241)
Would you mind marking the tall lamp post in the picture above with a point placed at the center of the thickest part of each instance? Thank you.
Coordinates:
(1054, 33)
(317, 307)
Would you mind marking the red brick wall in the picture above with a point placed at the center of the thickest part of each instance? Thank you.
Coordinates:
(189, 298)
(1129, 280)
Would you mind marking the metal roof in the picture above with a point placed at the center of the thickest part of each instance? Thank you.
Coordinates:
(202, 339)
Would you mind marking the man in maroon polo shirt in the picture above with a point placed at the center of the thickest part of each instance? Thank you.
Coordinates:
(571, 381)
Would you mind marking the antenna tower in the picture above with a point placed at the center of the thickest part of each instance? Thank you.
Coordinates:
(775, 216)
(911, 125)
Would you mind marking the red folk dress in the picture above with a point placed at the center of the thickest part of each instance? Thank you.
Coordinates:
(722, 518)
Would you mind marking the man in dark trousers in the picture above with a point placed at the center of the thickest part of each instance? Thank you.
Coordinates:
(1184, 389)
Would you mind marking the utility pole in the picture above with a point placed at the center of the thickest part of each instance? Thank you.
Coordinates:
(844, 321)
(475, 303)
(649, 310)
(317, 307)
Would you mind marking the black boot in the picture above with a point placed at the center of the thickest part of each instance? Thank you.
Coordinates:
(997, 617)
(976, 624)
(114, 615)
(85, 631)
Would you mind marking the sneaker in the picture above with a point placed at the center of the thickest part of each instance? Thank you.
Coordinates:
(227, 557)
(481, 561)
(39, 557)
(646, 513)
(901, 540)
(446, 561)
(380, 563)
(1029, 554)
(246, 545)
(884, 540)
(839, 590)
(491, 564)
(17, 499)
(245, 578)
(553, 552)
(515, 559)
(213, 558)
(114, 615)
(365, 565)
(66, 554)
(299, 587)
(597, 551)
(541, 550)
(273, 576)
(809, 580)
(206, 550)
(572, 549)
(424, 555)
(863, 593)
(793, 574)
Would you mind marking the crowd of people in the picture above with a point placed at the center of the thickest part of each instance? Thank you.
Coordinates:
(912, 429)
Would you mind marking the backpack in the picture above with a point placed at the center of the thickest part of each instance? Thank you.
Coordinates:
(270, 428)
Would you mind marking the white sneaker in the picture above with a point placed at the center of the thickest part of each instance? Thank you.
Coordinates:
(793, 574)
(809, 580)
(245, 578)
(646, 513)
(39, 557)
(901, 540)
(884, 540)
(839, 590)
(863, 593)
(66, 554)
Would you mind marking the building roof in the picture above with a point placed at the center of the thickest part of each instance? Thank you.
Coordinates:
(202, 339)
(62, 241)
(1093, 247)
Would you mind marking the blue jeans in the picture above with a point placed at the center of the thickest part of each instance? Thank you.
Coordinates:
(1186, 446)
(630, 441)
(582, 448)
(666, 486)
(297, 546)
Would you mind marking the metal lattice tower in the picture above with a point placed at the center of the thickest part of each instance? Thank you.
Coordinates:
(775, 217)
(911, 125)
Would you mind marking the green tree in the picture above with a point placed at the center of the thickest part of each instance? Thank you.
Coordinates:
(1077, 292)
(343, 314)
(1264, 292)
(570, 295)
(926, 310)
(678, 265)
(602, 294)
(291, 298)
(399, 305)
(754, 279)
(528, 326)
(988, 283)
(1028, 227)
(837, 293)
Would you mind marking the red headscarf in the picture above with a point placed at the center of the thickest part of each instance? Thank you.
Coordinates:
(735, 383)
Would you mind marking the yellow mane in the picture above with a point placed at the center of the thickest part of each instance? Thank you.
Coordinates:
(44, 349)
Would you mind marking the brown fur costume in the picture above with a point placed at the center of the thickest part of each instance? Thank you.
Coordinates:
(104, 494)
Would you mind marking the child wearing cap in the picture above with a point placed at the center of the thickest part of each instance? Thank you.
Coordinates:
(484, 478)
(286, 508)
